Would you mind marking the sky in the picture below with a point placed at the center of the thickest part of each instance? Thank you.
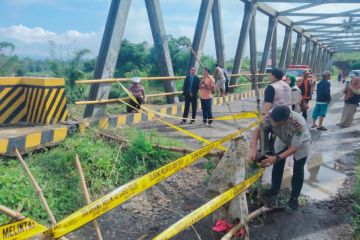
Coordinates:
(76, 24)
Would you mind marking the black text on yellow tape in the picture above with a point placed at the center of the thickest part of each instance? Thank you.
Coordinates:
(22, 229)
(208, 208)
(129, 190)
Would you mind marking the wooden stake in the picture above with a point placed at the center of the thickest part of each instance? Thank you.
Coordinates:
(247, 219)
(37, 187)
(87, 195)
(11, 213)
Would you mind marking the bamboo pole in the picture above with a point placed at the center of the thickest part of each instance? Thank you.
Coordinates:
(11, 213)
(117, 100)
(36, 186)
(87, 195)
(113, 80)
(247, 219)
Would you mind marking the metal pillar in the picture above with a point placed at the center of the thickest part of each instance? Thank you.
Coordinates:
(323, 62)
(298, 62)
(297, 49)
(253, 48)
(318, 57)
(313, 55)
(108, 55)
(249, 11)
(285, 47)
(218, 33)
(269, 37)
(200, 33)
(161, 45)
(306, 52)
(289, 50)
(274, 63)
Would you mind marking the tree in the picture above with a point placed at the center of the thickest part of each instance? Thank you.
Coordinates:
(6, 45)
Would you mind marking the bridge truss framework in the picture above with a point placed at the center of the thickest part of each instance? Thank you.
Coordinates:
(320, 39)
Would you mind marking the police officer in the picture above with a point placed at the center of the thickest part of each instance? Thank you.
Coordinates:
(293, 138)
(276, 94)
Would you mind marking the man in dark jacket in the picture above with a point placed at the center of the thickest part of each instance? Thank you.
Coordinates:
(190, 92)
(323, 99)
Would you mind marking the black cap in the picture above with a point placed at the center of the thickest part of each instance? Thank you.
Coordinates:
(280, 113)
(277, 73)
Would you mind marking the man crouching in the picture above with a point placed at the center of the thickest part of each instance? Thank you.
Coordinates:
(293, 138)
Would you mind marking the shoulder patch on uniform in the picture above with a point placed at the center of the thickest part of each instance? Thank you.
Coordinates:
(298, 127)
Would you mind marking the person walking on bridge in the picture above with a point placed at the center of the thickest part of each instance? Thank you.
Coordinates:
(352, 100)
(207, 85)
(323, 98)
(295, 95)
(293, 138)
(190, 94)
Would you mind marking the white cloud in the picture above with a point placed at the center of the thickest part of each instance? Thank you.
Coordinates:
(40, 35)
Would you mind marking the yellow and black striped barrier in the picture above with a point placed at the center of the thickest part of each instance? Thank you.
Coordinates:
(33, 140)
(34, 100)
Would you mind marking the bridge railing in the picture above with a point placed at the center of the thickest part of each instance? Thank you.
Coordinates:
(178, 78)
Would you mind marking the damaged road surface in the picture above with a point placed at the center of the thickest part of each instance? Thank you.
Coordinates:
(323, 214)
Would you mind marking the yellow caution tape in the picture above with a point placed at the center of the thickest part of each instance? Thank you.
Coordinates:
(208, 208)
(186, 132)
(190, 134)
(129, 190)
(242, 115)
(23, 229)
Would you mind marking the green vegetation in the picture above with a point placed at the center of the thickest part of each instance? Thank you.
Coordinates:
(347, 61)
(105, 168)
(356, 205)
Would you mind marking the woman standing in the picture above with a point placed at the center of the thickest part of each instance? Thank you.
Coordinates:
(207, 85)
(352, 100)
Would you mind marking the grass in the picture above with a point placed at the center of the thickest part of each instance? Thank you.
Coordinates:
(105, 168)
(356, 205)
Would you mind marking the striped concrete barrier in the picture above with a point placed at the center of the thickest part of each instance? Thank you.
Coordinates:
(35, 140)
(33, 100)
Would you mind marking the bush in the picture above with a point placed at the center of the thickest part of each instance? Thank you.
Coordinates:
(104, 168)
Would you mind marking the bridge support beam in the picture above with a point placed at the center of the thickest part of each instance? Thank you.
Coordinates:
(305, 60)
(318, 58)
(285, 47)
(218, 33)
(274, 63)
(297, 49)
(289, 50)
(268, 44)
(313, 55)
(249, 11)
(253, 47)
(161, 45)
(200, 33)
(108, 55)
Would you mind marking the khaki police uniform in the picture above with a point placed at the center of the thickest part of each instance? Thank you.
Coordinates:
(294, 134)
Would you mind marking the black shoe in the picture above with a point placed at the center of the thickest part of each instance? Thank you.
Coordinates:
(192, 121)
(182, 122)
(294, 203)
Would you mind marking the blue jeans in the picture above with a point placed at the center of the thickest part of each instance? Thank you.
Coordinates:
(206, 107)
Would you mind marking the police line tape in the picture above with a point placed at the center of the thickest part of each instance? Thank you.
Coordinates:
(131, 189)
(23, 229)
(184, 131)
(242, 115)
(208, 208)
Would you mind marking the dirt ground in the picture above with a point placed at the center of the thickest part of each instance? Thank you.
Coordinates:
(322, 218)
